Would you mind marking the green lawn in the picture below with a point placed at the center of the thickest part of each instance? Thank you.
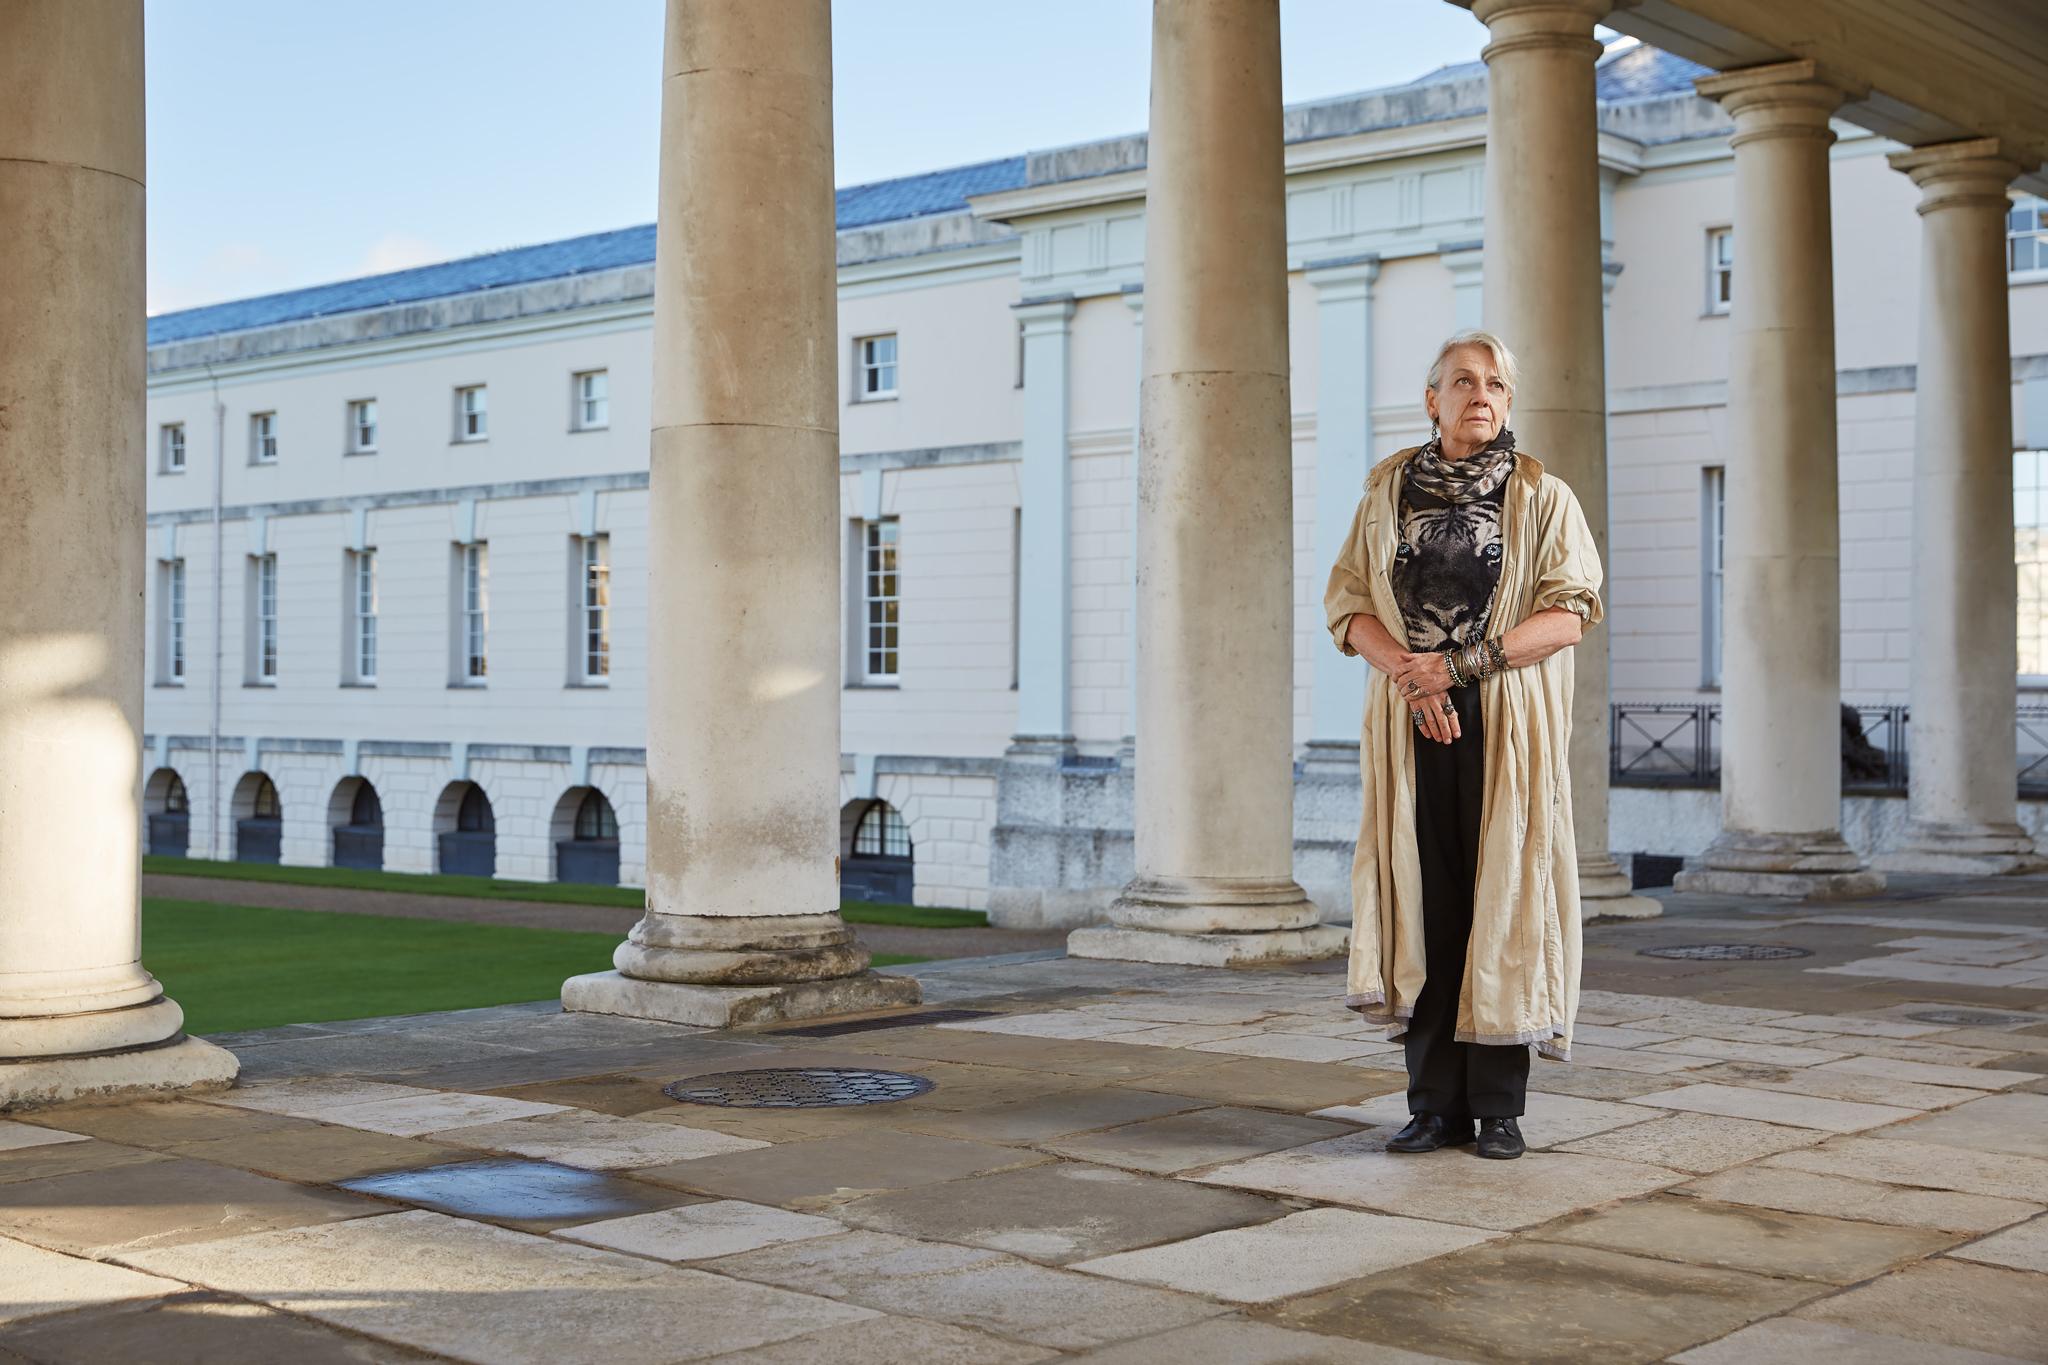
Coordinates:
(491, 888)
(241, 967)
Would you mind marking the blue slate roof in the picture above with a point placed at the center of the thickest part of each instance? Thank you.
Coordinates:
(1634, 73)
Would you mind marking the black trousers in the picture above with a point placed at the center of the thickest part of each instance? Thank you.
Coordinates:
(1445, 1076)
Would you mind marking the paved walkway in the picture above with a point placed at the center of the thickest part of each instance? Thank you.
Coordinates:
(1840, 1156)
(907, 940)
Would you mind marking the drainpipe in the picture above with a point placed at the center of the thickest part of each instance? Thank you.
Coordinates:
(220, 574)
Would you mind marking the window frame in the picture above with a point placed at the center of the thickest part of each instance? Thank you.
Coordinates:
(472, 421)
(2037, 493)
(172, 582)
(875, 614)
(865, 364)
(2038, 233)
(1720, 267)
(593, 638)
(473, 622)
(1713, 573)
(264, 618)
(581, 400)
(171, 448)
(363, 605)
(263, 437)
(358, 410)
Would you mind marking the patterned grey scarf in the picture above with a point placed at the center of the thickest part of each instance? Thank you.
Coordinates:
(1475, 476)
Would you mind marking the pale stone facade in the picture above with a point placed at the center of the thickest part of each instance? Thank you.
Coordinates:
(1387, 211)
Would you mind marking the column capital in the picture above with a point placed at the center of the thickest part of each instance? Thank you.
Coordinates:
(1784, 99)
(1973, 173)
(1531, 25)
(1334, 272)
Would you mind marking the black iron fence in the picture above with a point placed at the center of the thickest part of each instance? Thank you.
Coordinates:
(1678, 744)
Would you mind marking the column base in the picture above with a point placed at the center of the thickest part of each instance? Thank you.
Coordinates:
(1605, 892)
(1971, 850)
(1268, 948)
(185, 1063)
(1808, 866)
(678, 1002)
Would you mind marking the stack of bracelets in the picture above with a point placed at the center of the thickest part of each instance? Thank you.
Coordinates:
(1472, 663)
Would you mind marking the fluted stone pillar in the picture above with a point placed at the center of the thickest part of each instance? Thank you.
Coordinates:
(1214, 830)
(1961, 802)
(1546, 298)
(1781, 729)
(79, 1015)
(742, 920)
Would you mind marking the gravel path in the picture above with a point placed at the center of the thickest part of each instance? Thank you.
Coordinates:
(605, 919)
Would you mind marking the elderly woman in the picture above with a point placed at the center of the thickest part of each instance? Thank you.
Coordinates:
(1468, 576)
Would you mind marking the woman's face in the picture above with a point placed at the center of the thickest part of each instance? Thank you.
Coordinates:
(1471, 405)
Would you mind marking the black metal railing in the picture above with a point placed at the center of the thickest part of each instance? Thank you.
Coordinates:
(1678, 744)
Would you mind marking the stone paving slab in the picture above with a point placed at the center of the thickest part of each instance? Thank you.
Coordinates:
(312, 1096)
(700, 1232)
(124, 1209)
(1925, 1165)
(1545, 1304)
(1826, 1343)
(1450, 1185)
(889, 1340)
(1834, 1196)
(1058, 1212)
(1275, 1083)
(1057, 1114)
(1550, 1120)
(598, 1142)
(1700, 1143)
(1927, 1073)
(1822, 1083)
(2019, 1248)
(317, 1155)
(165, 1123)
(1746, 1237)
(197, 1328)
(830, 1171)
(970, 1287)
(1297, 1254)
(45, 1160)
(1768, 1106)
(15, 1137)
(1951, 1303)
(445, 1284)
(1204, 1137)
(2017, 1124)
(35, 1282)
(1237, 1341)
(417, 1116)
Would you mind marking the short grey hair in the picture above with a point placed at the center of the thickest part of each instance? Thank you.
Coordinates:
(1503, 358)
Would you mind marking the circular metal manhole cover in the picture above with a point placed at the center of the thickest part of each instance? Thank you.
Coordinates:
(1726, 952)
(1965, 1018)
(797, 1087)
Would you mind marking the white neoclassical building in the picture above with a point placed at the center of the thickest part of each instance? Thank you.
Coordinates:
(986, 553)
(427, 493)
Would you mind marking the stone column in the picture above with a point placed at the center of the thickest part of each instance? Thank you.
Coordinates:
(1781, 694)
(1215, 781)
(79, 1015)
(742, 920)
(1961, 802)
(1134, 299)
(1546, 299)
(1343, 454)
(1045, 559)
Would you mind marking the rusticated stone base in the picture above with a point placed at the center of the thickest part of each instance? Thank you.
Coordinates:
(1605, 892)
(1963, 850)
(186, 1064)
(709, 1006)
(1268, 948)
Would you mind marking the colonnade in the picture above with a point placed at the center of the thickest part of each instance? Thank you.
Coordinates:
(743, 725)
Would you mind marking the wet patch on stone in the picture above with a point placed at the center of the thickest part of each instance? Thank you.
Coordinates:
(525, 1194)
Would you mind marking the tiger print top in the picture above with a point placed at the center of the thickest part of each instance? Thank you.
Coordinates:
(1447, 566)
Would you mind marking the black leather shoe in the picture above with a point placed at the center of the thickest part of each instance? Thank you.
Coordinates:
(1501, 1139)
(1427, 1132)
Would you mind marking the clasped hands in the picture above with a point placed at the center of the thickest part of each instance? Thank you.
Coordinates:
(1423, 682)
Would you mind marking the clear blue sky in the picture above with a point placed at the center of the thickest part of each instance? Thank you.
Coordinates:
(293, 143)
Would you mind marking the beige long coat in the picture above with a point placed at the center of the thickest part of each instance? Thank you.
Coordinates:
(1522, 969)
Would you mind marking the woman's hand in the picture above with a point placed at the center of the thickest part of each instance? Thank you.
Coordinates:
(1424, 682)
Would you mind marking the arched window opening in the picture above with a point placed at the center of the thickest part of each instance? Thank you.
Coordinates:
(358, 826)
(590, 853)
(167, 815)
(259, 822)
(880, 865)
(468, 840)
